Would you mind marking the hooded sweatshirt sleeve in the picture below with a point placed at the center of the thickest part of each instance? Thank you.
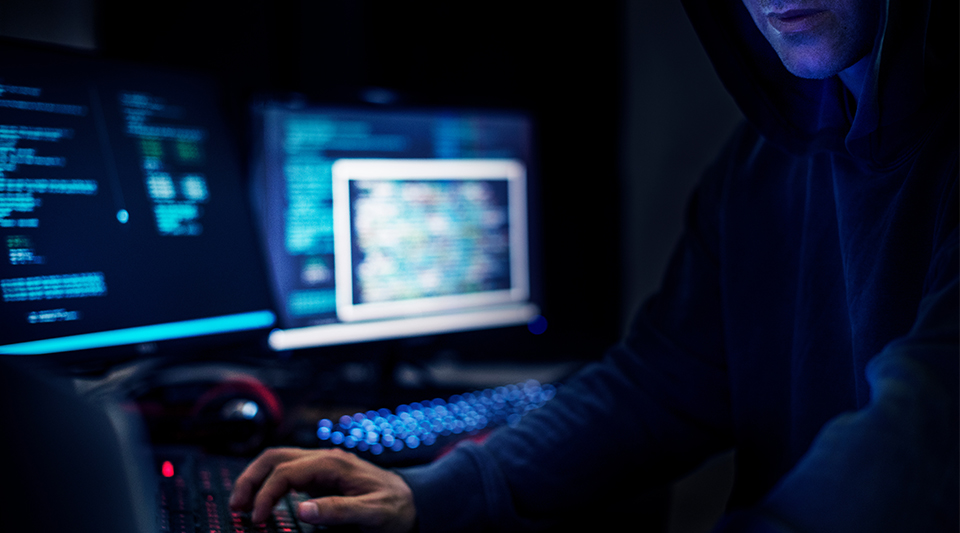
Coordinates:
(893, 465)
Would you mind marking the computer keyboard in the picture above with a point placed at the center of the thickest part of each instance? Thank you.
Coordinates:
(419, 432)
(195, 489)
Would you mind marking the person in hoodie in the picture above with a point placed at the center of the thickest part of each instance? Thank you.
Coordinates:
(808, 319)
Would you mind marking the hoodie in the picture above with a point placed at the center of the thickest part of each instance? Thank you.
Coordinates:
(808, 319)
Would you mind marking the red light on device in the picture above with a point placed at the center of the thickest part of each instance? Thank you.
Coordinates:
(167, 469)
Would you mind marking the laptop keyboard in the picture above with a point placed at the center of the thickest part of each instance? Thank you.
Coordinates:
(195, 489)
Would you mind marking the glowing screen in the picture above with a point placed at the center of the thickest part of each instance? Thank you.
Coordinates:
(122, 215)
(416, 236)
(391, 223)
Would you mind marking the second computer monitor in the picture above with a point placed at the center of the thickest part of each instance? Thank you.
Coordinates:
(384, 223)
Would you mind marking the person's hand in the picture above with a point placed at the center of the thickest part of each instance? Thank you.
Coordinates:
(375, 499)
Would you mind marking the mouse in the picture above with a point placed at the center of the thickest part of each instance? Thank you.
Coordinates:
(237, 416)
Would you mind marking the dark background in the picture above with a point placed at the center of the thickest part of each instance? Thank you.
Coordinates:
(628, 111)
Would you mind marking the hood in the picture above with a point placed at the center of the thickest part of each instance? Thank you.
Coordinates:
(911, 83)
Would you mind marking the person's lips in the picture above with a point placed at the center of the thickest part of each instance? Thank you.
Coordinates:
(797, 20)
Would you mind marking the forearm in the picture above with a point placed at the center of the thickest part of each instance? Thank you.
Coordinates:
(601, 436)
(890, 467)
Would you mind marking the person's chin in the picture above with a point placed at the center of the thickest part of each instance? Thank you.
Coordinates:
(811, 62)
(813, 53)
(810, 71)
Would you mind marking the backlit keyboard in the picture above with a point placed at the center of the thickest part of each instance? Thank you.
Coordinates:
(420, 431)
(195, 489)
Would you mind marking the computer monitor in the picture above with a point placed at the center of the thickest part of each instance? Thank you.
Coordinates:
(384, 223)
(124, 216)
